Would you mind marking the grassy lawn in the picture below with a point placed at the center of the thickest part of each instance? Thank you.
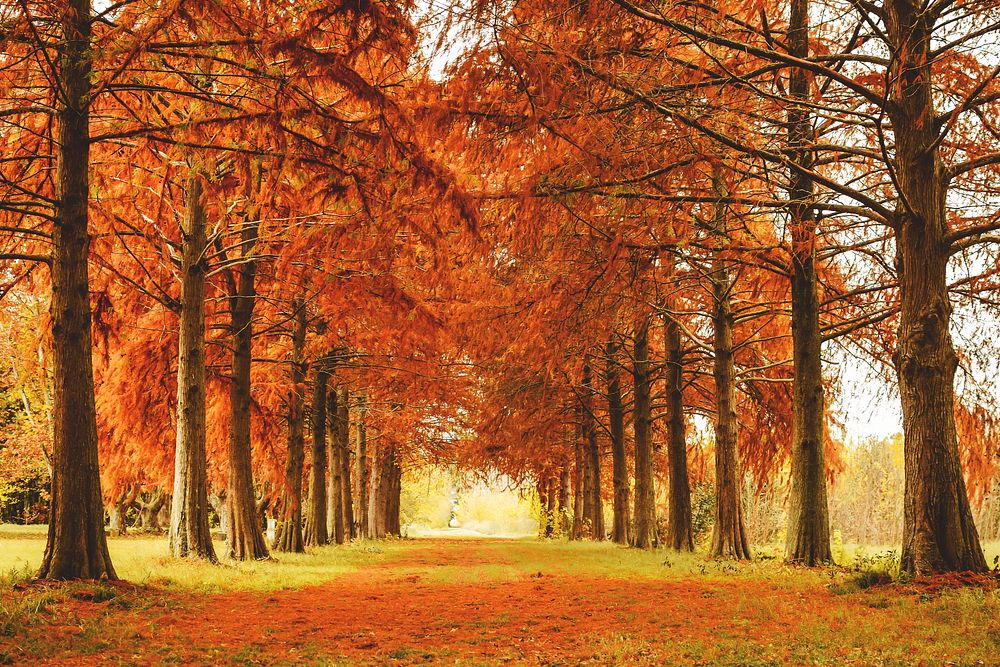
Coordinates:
(144, 560)
(468, 601)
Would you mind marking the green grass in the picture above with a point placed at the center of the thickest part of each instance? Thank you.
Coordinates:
(144, 559)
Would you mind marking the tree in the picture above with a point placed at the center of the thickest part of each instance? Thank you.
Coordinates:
(189, 531)
(644, 535)
(244, 536)
(76, 546)
(616, 414)
(288, 534)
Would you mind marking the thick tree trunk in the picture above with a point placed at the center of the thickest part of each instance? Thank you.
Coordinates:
(288, 533)
(76, 547)
(729, 535)
(335, 486)
(316, 529)
(344, 445)
(644, 536)
(939, 534)
(808, 535)
(681, 535)
(189, 531)
(616, 415)
(384, 497)
(363, 466)
(245, 537)
(592, 489)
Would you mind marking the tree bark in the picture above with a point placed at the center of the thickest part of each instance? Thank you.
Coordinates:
(363, 467)
(335, 486)
(76, 546)
(565, 520)
(245, 537)
(939, 534)
(316, 530)
(384, 497)
(729, 535)
(189, 530)
(394, 476)
(808, 534)
(593, 486)
(616, 416)
(680, 532)
(644, 536)
(376, 515)
(288, 534)
(579, 481)
(550, 507)
(344, 445)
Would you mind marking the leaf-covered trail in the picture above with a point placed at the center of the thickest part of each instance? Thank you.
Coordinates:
(477, 602)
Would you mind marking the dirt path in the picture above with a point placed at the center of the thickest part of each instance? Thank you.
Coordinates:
(407, 611)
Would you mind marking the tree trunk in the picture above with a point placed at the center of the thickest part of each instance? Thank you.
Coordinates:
(394, 487)
(616, 415)
(316, 529)
(939, 534)
(383, 507)
(344, 445)
(245, 537)
(645, 495)
(808, 535)
(565, 520)
(579, 480)
(376, 515)
(550, 507)
(76, 547)
(592, 488)
(189, 531)
(288, 533)
(544, 521)
(680, 531)
(361, 460)
(335, 486)
(729, 535)
(149, 512)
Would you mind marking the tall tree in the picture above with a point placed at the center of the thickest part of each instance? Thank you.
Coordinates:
(592, 485)
(335, 485)
(644, 536)
(189, 530)
(808, 534)
(343, 432)
(939, 533)
(245, 536)
(76, 546)
(681, 533)
(616, 414)
(316, 529)
(729, 536)
(288, 535)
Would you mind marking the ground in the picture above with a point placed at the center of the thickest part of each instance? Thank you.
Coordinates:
(474, 601)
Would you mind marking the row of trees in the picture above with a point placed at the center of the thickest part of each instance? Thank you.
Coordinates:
(769, 181)
(604, 226)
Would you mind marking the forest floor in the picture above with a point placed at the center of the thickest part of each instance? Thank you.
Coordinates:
(489, 601)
